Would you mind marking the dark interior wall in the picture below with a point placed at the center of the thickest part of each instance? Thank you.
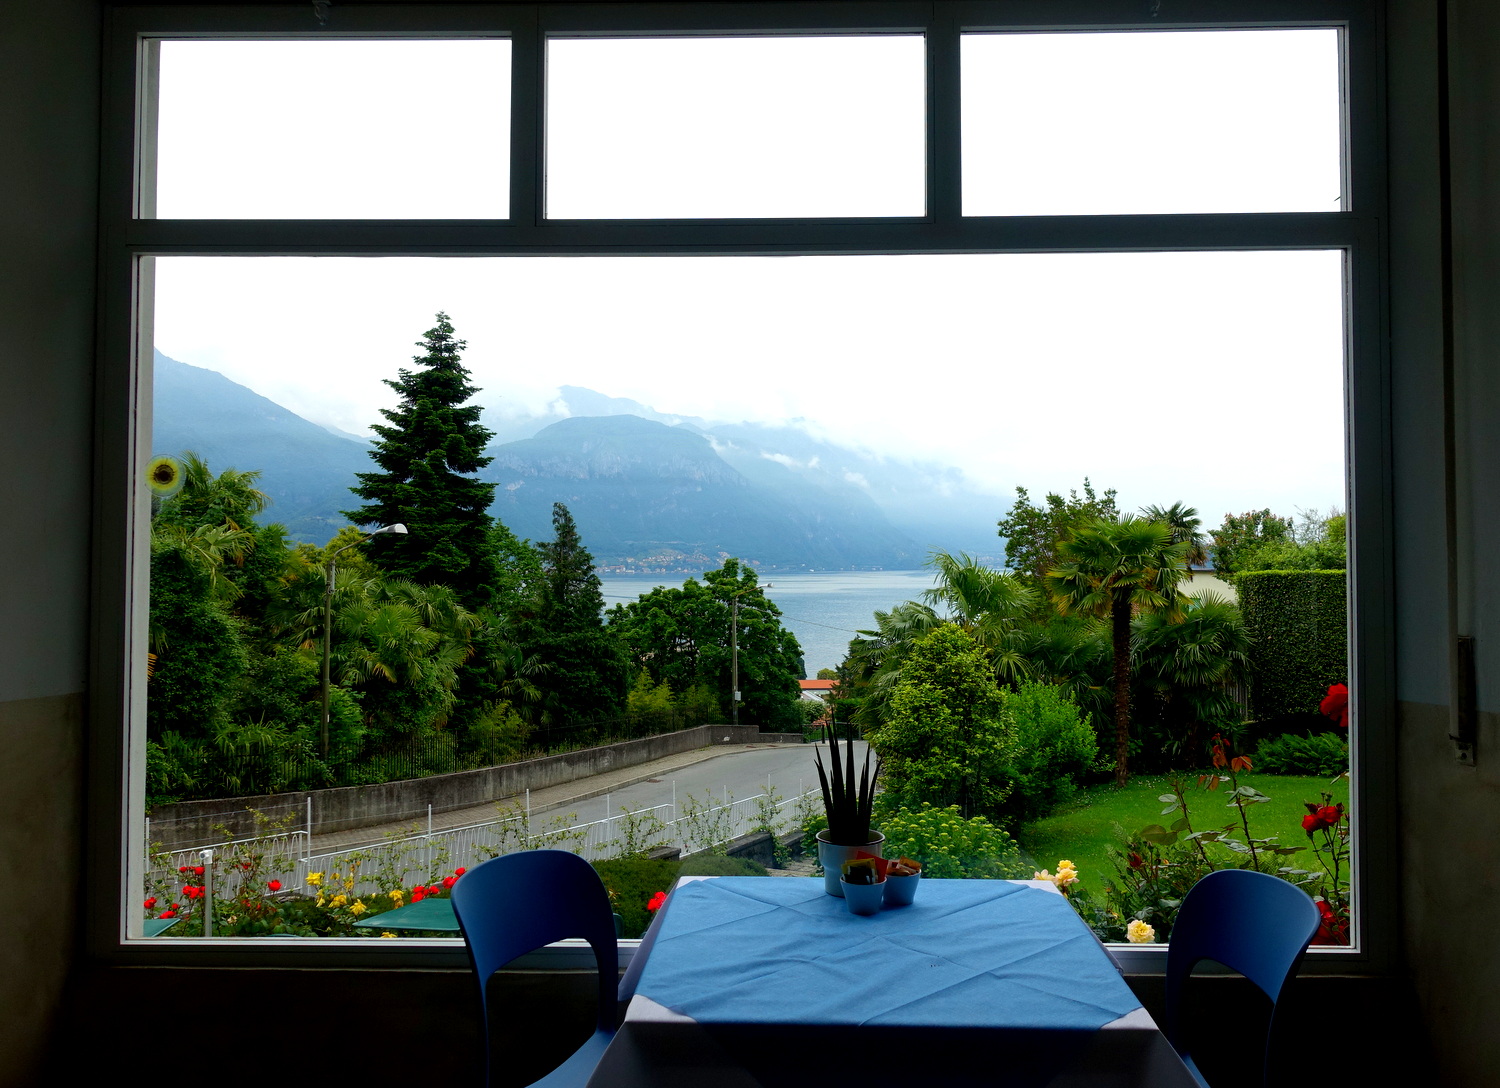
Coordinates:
(1448, 892)
(49, 54)
(1450, 852)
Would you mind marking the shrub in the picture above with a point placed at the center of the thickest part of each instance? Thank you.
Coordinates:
(1299, 643)
(632, 882)
(1055, 747)
(948, 845)
(1324, 754)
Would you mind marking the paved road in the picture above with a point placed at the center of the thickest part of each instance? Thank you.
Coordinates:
(742, 770)
(732, 774)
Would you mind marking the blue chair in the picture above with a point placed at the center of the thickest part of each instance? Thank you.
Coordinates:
(1252, 923)
(515, 903)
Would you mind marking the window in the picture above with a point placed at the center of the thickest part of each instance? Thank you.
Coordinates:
(953, 208)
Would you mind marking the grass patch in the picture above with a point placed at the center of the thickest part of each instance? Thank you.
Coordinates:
(1083, 832)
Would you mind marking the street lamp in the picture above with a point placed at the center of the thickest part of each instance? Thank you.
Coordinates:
(328, 572)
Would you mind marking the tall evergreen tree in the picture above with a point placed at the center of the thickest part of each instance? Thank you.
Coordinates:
(585, 675)
(427, 455)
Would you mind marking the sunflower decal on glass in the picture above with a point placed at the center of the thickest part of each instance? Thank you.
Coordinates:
(164, 476)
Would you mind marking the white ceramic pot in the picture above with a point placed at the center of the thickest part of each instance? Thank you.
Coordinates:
(832, 858)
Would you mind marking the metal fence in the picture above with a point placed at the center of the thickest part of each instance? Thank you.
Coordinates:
(426, 857)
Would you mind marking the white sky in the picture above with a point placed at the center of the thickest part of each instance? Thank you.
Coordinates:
(1215, 379)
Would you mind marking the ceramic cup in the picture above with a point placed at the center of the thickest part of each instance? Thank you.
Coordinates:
(863, 898)
(900, 890)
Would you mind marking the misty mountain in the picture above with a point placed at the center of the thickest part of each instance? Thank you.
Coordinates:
(305, 469)
(647, 489)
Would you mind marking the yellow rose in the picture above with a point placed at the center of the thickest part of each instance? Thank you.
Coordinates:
(314, 879)
(387, 933)
(1066, 864)
(395, 895)
(358, 908)
(1138, 932)
(1041, 874)
(338, 901)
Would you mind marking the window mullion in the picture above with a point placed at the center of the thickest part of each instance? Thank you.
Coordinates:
(527, 122)
(944, 120)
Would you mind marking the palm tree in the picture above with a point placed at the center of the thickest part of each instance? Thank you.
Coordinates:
(1186, 528)
(989, 605)
(1112, 569)
(1191, 664)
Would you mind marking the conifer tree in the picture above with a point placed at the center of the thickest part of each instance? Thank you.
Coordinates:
(427, 454)
(586, 671)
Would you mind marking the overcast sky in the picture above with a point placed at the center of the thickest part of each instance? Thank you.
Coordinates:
(1214, 379)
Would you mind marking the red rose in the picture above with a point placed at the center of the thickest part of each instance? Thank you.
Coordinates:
(167, 914)
(197, 870)
(449, 881)
(656, 901)
(1329, 815)
(184, 869)
(1311, 823)
(433, 889)
(274, 885)
(1335, 705)
(150, 903)
(460, 871)
(418, 894)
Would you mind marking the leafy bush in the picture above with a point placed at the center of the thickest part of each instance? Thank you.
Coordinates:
(1325, 754)
(1299, 643)
(1055, 747)
(948, 845)
(947, 739)
(632, 882)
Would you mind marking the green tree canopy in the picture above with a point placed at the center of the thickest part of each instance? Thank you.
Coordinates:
(1242, 533)
(947, 738)
(1032, 532)
(1111, 569)
(584, 675)
(427, 454)
(682, 635)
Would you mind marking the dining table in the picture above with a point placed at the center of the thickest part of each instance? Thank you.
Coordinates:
(755, 982)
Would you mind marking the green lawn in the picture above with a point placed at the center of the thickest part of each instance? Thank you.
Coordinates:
(1083, 832)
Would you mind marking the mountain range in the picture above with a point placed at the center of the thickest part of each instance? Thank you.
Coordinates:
(649, 492)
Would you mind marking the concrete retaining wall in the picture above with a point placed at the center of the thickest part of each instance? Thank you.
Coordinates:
(192, 823)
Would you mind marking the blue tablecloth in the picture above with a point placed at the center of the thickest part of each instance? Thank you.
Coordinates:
(771, 983)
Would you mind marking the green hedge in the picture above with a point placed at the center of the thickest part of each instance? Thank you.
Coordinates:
(1299, 642)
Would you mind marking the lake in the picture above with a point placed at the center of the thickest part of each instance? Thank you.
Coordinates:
(823, 609)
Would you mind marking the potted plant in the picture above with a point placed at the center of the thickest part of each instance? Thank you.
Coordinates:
(847, 802)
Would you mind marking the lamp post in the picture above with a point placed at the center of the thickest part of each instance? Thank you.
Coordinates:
(328, 572)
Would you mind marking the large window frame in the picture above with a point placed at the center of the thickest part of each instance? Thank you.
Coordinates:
(130, 238)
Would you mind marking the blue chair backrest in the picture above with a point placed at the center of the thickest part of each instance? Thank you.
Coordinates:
(515, 903)
(1255, 924)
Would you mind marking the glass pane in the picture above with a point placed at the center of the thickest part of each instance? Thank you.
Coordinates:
(334, 130)
(1206, 121)
(829, 457)
(686, 128)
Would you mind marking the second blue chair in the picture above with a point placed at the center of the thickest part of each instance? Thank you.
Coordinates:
(1255, 924)
(515, 903)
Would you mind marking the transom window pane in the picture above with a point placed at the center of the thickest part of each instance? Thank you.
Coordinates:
(771, 127)
(1151, 122)
(334, 130)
